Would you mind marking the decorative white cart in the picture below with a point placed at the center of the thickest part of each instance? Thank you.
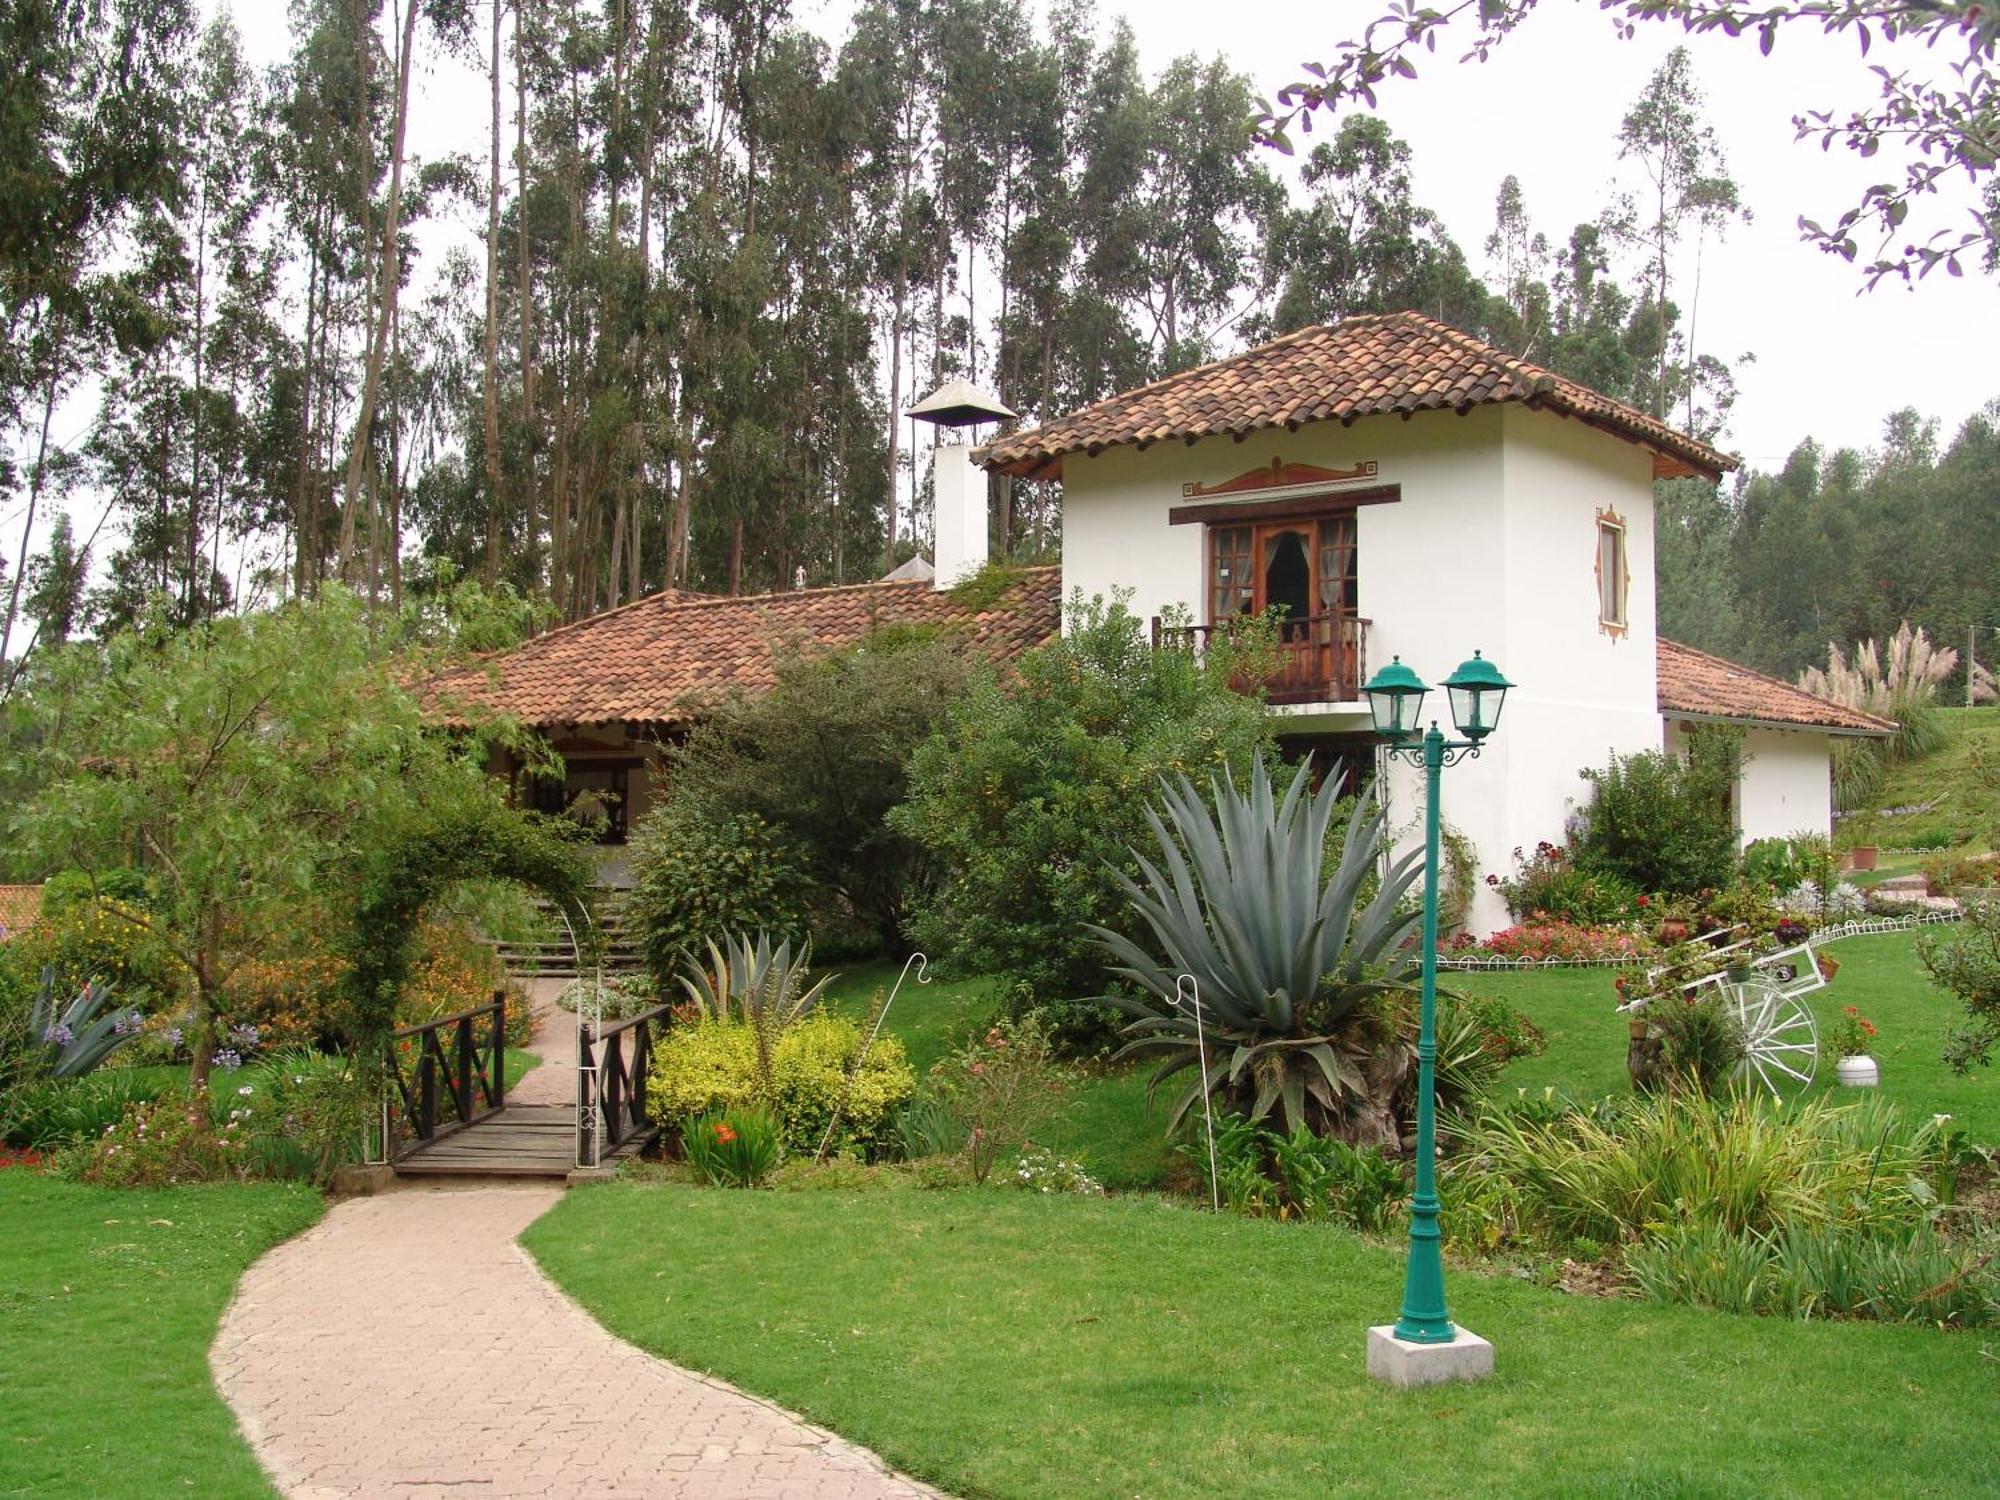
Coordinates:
(1766, 995)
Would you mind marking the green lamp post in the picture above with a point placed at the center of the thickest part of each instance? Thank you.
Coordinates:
(1395, 700)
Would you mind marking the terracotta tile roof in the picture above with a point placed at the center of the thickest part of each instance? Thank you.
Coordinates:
(1696, 684)
(656, 660)
(1368, 366)
(20, 905)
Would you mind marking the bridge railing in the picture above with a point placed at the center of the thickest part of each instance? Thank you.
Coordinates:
(448, 1073)
(611, 1068)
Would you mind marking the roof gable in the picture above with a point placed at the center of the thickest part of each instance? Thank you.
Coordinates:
(658, 659)
(1389, 363)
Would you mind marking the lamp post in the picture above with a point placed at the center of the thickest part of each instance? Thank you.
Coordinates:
(1423, 1346)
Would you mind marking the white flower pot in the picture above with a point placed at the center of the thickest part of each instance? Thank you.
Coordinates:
(1857, 1072)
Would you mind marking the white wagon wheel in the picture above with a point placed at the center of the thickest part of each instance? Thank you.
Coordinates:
(1780, 1037)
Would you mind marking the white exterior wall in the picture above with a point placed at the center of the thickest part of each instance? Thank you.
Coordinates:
(1785, 785)
(1492, 546)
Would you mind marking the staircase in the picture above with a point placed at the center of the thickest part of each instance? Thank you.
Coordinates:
(551, 954)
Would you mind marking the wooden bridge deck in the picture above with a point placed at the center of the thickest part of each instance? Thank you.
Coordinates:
(519, 1140)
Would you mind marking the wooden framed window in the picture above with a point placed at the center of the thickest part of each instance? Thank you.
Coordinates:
(1614, 575)
(1300, 568)
(1232, 586)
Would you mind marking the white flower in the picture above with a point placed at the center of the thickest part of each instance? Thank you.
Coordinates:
(246, 1089)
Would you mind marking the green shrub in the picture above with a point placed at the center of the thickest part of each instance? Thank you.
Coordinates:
(838, 1174)
(926, 1127)
(1040, 1170)
(161, 1143)
(733, 1147)
(104, 941)
(821, 759)
(1819, 1270)
(1701, 1042)
(64, 1111)
(710, 1065)
(1661, 823)
(1261, 1173)
(1549, 884)
(1033, 795)
(1742, 1163)
(301, 1113)
(1967, 963)
(697, 878)
(621, 995)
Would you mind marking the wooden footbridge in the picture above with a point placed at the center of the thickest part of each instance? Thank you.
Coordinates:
(447, 1114)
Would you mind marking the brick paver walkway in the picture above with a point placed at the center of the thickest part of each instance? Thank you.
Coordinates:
(407, 1346)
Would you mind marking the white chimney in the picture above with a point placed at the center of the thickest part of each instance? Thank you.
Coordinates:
(958, 485)
(958, 491)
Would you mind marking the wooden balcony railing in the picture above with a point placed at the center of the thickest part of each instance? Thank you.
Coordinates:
(1321, 658)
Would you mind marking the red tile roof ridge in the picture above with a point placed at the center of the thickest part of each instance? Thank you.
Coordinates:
(1267, 398)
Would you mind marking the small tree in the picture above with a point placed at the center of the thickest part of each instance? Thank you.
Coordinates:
(822, 758)
(248, 766)
(1034, 794)
(1968, 964)
(1663, 823)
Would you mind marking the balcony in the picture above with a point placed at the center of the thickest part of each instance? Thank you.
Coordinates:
(1321, 658)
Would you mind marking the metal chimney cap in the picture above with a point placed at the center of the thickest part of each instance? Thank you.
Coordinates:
(960, 403)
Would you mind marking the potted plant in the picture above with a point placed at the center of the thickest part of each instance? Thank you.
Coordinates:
(1863, 856)
(1848, 1041)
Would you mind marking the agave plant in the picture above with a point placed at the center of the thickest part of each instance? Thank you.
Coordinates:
(1286, 960)
(78, 1039)
(747, 979)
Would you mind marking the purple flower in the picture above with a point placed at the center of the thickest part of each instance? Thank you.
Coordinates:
(244, 1037)
(173, 1036)
(59, 1035)
(128, 1024)
(228, 1057)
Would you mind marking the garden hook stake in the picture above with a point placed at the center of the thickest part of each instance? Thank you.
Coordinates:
(1185, 985)
(923, 968)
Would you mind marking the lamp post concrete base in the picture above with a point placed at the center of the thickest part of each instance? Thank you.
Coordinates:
(1397, 1361)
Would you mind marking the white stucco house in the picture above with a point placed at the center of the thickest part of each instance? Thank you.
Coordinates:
(1394, 487)
(1388, 485)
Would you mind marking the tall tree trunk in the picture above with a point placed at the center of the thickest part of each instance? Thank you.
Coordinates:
(36, 478)
(385, 302)
(301, 522)
(525, 297)
(491, 393)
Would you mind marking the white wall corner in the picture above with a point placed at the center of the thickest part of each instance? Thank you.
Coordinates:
(958, 491)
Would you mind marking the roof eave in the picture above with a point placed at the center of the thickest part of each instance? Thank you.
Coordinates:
(1750, 721)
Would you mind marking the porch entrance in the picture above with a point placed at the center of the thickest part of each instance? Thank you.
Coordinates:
(1303, 571)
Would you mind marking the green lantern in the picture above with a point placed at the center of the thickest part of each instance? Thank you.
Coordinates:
(1477, 690)
(1395, 700)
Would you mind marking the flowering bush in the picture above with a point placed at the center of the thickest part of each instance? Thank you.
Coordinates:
(163, 1143)
(708, 1066)
(1851, 1034)
(1565, 941)
(733, 1148)
(1040, 1170)
(1003, 1086)
(1547, 884)
(1804, 902)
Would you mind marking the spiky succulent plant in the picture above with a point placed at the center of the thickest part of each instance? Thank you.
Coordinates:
(1286, 960)
(747, 979)
(74, 1038)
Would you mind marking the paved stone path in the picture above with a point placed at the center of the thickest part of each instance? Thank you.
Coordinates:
(554, 1082)
(406, 1346)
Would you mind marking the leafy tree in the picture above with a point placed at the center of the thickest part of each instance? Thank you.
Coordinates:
(1032, 795)
(248, 766)
(1945, 130)
(822, 759)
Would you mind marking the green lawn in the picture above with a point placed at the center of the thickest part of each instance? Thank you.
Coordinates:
(110, 1301)
(1879, 975)
(1002, 1344)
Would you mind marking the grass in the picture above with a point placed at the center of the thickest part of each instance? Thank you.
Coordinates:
(109, 1301)
(1879, 975)
(1108, 1124)
(1002, 1344)
(1962, 779)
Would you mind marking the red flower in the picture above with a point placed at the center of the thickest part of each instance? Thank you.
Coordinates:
(723, 1134)
(1645, 900)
